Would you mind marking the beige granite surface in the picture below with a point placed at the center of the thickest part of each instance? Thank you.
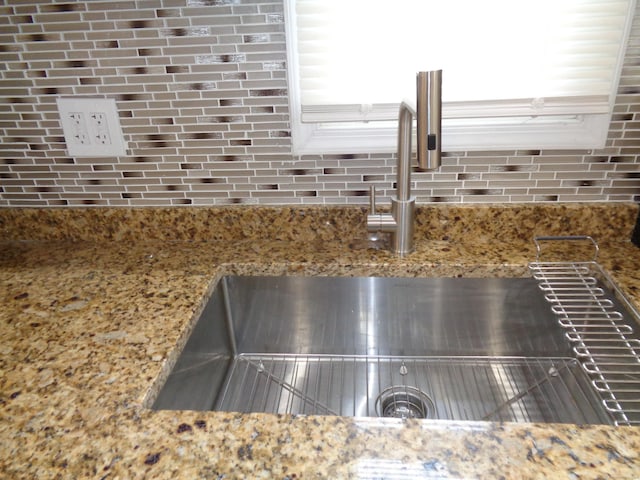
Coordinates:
(91, 321)
(318, 224)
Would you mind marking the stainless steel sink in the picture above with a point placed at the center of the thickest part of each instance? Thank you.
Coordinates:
(445, 348)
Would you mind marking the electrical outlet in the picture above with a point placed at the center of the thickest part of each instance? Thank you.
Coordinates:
(99, 128)
(79, 135)
(102, 138)
(91, 127)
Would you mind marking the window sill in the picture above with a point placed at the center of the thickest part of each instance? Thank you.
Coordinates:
(583, 132)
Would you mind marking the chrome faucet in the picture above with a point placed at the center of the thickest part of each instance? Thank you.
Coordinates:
(428, 112)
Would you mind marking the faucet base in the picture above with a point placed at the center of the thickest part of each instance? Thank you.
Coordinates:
(399, 223)
(403, 212)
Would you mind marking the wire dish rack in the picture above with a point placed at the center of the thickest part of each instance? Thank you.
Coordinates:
(602, 337)
(504, 389)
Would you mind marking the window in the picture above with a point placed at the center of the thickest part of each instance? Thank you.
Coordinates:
(538, 74)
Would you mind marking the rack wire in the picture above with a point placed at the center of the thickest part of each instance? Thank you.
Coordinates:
(602, 336)
(515, 389)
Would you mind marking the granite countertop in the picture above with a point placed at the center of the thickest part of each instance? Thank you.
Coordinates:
(92, 321)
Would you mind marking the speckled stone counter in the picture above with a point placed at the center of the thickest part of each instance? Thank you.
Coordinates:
(96, 303)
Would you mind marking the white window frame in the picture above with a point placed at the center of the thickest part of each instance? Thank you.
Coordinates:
(559, 128)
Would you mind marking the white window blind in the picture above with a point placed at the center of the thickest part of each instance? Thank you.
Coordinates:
(523, 64)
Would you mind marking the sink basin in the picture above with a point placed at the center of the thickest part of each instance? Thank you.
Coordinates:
(444, 348)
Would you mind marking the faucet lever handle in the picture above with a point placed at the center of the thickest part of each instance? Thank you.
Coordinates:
(372, 200)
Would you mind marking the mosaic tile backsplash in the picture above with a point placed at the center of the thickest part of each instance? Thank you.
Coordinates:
(201, 91)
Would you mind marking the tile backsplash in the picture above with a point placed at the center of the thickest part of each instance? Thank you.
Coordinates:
(201, 91)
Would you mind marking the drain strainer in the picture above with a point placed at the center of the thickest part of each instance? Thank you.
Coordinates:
(401, 401)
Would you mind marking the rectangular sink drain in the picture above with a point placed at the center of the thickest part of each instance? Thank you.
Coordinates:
(459, 388)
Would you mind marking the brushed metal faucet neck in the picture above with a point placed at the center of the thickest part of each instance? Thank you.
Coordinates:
(400, 222)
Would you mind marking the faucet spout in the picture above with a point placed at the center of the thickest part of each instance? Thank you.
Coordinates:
(428, 113)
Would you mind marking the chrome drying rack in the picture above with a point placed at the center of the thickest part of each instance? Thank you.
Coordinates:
(602, 337)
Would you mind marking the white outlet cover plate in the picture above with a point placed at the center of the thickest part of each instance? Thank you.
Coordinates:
(84, 137)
